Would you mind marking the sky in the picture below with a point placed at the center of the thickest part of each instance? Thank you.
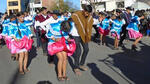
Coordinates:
(76, 3)
(3, 5)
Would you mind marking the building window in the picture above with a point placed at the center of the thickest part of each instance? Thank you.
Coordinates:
(120, 4)
(13, 3)
(37, 2)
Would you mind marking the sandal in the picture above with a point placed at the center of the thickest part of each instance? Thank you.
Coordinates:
(83, 68)
(60, 79)
(77, 71)
(21, 72)
(66, 78)
(26, 70)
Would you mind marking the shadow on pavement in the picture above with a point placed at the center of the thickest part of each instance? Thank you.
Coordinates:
(109, 41)
(32, 54)
(44, 82)
(100, 76)
(135, 66)
(16, 77)
(52, 60)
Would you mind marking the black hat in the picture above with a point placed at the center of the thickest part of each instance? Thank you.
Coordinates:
(118, 11)
(87, 8)
(12, 16)
(128, 8)
(43, 8)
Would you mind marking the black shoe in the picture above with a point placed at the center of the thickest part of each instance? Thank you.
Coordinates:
(121, 45)
(133, 48)
(13, 58)
(99, 43)
(115, 48)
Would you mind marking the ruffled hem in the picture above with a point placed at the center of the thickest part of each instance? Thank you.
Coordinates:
(56, 47)
(115, 34)
(104, 32)
(16, 46)
(1, 36)
(8, 41)
(134, 34)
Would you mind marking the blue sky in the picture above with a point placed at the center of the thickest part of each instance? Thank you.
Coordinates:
(3, 5)
(76, 3)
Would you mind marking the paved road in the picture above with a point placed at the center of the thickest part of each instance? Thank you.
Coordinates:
(106, 66)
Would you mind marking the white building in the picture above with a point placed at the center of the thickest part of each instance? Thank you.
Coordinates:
(33, 5)
(109, 5)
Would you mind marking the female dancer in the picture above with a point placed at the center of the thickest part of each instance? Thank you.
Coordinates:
(103, 27)
(22, 42)
(58, 45)
(5, 21)
(116, 29)
(7, 33)
(133, 29)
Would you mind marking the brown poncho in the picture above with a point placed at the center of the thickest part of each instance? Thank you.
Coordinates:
(83, 25)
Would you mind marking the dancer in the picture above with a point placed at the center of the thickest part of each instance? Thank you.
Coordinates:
(37, 30)
(59, 45)
(96, 21)
(5, 20)
(103, 27)
(133, 29)
(83, 23)
(22, 42)
(7, 33)
(116, 29)
(41, 19)
(127, 17)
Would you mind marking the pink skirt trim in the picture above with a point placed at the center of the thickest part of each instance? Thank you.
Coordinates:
(115, 34)
(62, 46)
(134, 34)
(104, 32)
(55, 48)
(24, 43)
(29, 43)
(1, 36)
(8, 41)
(71, 47)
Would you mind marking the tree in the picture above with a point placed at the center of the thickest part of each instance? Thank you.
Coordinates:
(63, 6)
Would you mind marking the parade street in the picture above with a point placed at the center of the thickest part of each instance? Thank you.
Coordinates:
(105, 66)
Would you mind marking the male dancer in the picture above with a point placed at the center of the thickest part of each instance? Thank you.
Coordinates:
(83, 23)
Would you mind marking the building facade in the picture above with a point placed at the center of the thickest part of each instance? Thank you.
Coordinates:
(14, 6)
(109, 5)
(34, 5)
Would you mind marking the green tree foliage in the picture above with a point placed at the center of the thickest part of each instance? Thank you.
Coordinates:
(63, 6)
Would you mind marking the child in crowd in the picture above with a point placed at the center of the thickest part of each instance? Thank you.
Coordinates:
(103, 27)
(116, 29)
